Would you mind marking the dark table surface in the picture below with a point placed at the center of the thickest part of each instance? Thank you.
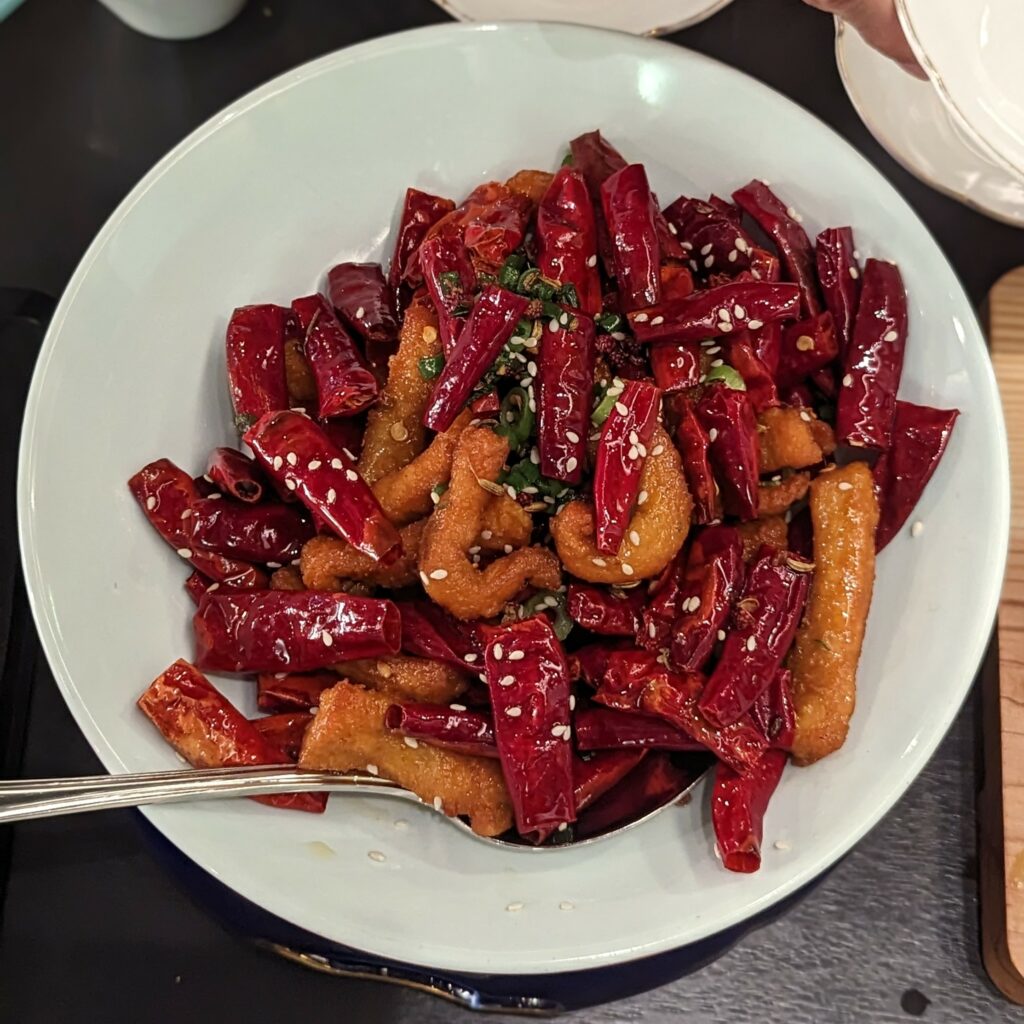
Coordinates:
(92, 929)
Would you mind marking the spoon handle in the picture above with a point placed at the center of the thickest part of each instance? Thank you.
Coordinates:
(23, 799)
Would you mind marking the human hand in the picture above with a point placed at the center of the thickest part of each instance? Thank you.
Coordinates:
(877, 22)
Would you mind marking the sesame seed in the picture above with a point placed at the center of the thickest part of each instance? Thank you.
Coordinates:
(657, 449)
(208, 478)
(531, 368)
(713, 434)
(435, 497)
(439, 574)
(627, 569)
(917, 529)
(384, 669)
(273, 565)
(568, 904)
(847, 381)
(634, 452)
(556, 730)
(741, 244)
(634, 537)
(553, 325)
(498, 651)
(672, 228)
(506, 680)
(487, 534)
(640, 318)
(332, 495)
(337, 464)
(212, 587)
(714, 350)
(508, 549)
(634, 437)
(657, 320)
(571, 463)
(292, 459)
(721, 634)
(790, 212)
(516, 655)
(710, 261)
(314, 464)
(755, 325)
(438, 804)
(424, 579)
(360, 313)
(592, 260)
(717, 362)
(642, 497)
(327, 639)
(854, 273)
(739, 311)
(184, 552)
(724, 326)
(513, 712)
(372, 769)
(733, 255)
(185, 513)
(890, 336)
(805, 416)
(599, 562)
(706, 249)
(652, 630)
(470, 658)
(377, 856)
(411, 742)
(572, 437)
(351, 474)
(151, 503)
(515, 906)
(278, 462)
(572, 702)
(621, 409)
(846, 486)
(751, 643)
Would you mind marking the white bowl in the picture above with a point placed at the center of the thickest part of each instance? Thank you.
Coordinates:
(310, 169)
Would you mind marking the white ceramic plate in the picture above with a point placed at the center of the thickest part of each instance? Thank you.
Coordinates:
(971, 50)
(310, 169)
(909, 119)
(638, 17)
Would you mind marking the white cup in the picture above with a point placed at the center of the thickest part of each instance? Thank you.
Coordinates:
(175, 19)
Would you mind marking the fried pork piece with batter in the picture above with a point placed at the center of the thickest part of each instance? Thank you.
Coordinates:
(775, 496)
(298, 375)
(660, 523)
(788, 439)
(327, 562)
(448, 574)
(844, 513)
(532, 184)
(395, 434)
(287, 577)
(405, 678)
(772, 531)
(348, 734)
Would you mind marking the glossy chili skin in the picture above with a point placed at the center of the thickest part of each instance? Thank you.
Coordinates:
(919, 438)
(291, 631)
(590, 662)
(254, 347)
(740, 355)
(839, 277)
(286, 732)
(627, 676)
(364, 300)
(235, 474)
(490, 325)
(712, 238)
(593, 776)
(761, 631)
(807, 347)
(655, 781)
(167, 496)
(873, 363)
(295, 452)
(428, 631)
(420, 212)
(767, 340)
(344, 383)
(772, 216)
(665, 598)
(292, 691)
(773, 712)
(565, 383)
(729, 422)
(196, 585)
(629, 211)
(738, 804)
(694, 447)
(673, 697)
(461, 730)
(714, 575)
(604, 612)
(450, 280)
(567, 238)
(528, 679)
(493, 221)
(677, 366)
(714, 312)
(208, 732)
(606, 729)
(621, 454)
(269, 532)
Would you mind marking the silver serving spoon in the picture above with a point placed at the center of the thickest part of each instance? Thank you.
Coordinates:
(24, 799)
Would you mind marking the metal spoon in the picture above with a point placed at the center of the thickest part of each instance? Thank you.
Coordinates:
(24, 799)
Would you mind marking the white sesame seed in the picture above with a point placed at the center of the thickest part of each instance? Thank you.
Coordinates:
(634, 537)
(571, 463)
(508, 549)
(273, 565)
(572, 437)
(846, 486)
(751, 643)
(556, 730)
(733, 255)
(641, 318)
(184, 552)
(186, 512)
(634, 452)
(278, 462)
(755, 325)
(553, 325)
(657, 320)
(599, 562)
(424, 579)
(714, 350)
(805, 416)
(739, 311)
(516, 655)
(506, 680)
(791, 213)
(621, 408)
(717, 362)
(741, 244)
(515, 906)
(854, 273)
(568, 904)
(781, 844)
(672, 228)
(572, 702)
(533, 402)
(713, 434)
(438, 804)
(212, 587)
(627, 569)
(724, 326)
(151, 503)
(351, 474)
(721, 634)
(652, 630)
(360, 313)
(292, 459)
(327, 639)
(513, 712)
(634, 437)
(890, 336)
(693, 265)
(372, 769)
(208, 478)
(856, 254)
(531, 368)
(847, 381)
(435, 497)
(290, 484)
(314, 464)
(706, 249)
(710, 261)
(641, 498)
(439, 574)
(337, 464)
(917, 529)
(657, 449)
(332, 495)
(411, 742)
(377, 856)
(498, 651)
(486, 534)
(592, 260)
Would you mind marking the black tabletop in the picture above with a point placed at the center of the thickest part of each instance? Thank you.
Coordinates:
(93, 930)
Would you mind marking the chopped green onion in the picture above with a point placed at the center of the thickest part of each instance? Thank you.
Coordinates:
(728, 376)
(524, 329)
(515, 419)
(567, 159)
(533, 283)
(609, 323)
(437, 491)
(449, 281)
(570, 296)
(551, 309)
(431, 367)
(606, 402)
(553, 601)
(508, 276)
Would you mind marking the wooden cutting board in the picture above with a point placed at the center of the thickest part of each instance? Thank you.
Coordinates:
(1001, 806)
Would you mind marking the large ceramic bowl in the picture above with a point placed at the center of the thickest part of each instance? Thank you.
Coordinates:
(308, 170)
